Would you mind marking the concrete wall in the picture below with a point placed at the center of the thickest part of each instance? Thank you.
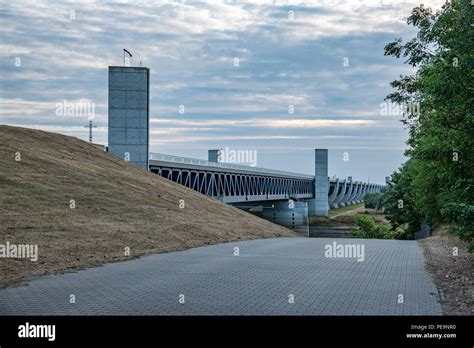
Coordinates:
(129, 114)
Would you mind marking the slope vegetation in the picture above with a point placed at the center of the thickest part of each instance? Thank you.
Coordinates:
(84, 207)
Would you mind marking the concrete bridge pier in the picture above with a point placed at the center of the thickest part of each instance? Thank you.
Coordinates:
(349, 188)
(365, 190)
(340, 195)
(333, 194)
(290, 214)
(349, 200)
(318, 206)
(360, 196)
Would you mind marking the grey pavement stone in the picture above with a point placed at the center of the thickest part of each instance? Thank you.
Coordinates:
(258, 282)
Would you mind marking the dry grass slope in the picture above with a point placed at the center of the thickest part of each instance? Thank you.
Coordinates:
(117, 206)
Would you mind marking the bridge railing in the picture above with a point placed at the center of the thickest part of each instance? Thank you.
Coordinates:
(195, 161)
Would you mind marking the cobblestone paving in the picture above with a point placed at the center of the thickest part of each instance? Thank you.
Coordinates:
(260, 281)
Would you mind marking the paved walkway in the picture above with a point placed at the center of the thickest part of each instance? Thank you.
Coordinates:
(259, 281)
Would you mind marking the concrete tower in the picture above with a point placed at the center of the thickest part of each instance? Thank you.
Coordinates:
(213, 156)
(321, 182)
(129, 114)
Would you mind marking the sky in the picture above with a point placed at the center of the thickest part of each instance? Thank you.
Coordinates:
(279, 78)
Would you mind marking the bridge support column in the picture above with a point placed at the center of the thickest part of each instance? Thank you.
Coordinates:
(355, 192)
(290, 214)
(340, 195)
(318, 206)
(334, 193)
(349, 188)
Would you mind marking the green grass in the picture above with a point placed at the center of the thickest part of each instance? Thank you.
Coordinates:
(345, 209)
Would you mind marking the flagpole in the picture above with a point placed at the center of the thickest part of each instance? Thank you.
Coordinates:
(128, 52)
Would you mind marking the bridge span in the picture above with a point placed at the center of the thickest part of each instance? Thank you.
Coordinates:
(232, 183)
(236, 183)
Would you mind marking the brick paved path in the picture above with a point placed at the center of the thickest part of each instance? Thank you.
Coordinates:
(259, 281)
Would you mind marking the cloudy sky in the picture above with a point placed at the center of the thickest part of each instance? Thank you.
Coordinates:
(238, 67)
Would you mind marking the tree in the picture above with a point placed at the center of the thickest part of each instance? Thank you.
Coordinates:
(373, 200)
(399, 202)
(439, 174)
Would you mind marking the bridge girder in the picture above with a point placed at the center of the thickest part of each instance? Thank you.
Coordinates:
(231, 185)
(234, 188)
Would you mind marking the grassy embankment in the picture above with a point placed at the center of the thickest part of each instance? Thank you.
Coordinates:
(116, 206)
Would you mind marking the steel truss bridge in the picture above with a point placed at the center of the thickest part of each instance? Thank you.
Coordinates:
(234, 183)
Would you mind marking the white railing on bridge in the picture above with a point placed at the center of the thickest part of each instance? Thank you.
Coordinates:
(195, 161)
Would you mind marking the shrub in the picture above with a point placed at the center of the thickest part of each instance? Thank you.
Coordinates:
(373, 200)
(368, 228)
(461, 217)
